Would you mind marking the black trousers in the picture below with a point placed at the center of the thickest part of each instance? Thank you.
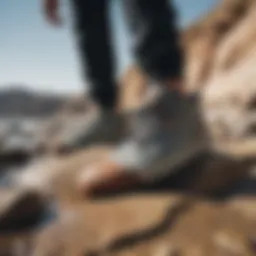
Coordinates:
(155, 36)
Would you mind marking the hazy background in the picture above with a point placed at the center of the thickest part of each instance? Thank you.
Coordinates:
(37, 56)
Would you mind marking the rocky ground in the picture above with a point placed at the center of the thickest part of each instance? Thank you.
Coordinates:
(207, 208)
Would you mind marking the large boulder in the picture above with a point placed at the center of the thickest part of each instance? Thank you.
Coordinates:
(203, 40)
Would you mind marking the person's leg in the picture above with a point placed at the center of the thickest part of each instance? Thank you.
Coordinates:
(94, 43)
(156, 40)
(94, 38)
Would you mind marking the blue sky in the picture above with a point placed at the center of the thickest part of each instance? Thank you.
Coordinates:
(42, 57)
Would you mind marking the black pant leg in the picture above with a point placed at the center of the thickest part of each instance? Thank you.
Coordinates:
(155, 37)
(94, 41)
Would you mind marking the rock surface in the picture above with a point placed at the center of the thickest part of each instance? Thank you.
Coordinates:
(152, 220)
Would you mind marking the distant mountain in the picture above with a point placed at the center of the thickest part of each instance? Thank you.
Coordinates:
(19, 102)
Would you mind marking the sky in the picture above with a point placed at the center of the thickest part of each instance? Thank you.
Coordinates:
(35, 55)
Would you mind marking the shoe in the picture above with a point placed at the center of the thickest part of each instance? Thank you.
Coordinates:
(99, 127)
(164, 134)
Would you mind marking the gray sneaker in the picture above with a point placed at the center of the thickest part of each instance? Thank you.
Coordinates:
(99, 127)
(164, 134)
